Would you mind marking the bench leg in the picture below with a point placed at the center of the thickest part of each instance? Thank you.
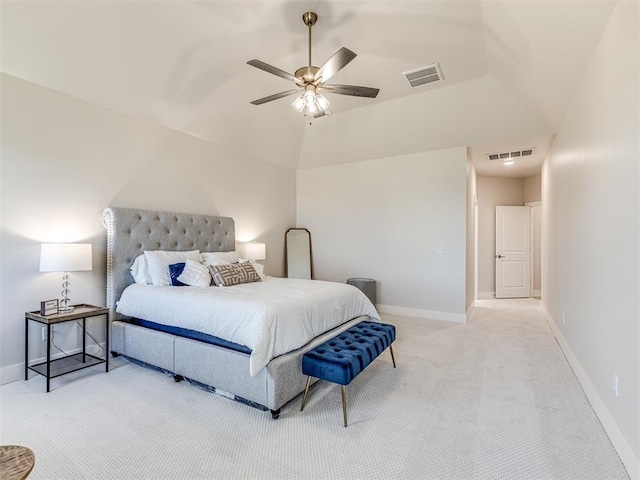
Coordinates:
(392, 356)
(344, 404)
(306, 390)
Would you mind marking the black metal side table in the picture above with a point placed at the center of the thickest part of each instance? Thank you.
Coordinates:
(70, 363)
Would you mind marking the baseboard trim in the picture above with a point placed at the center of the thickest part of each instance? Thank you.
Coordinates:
(11, 374)
(419, 313)
(470, 310)
(14, 373)
(625, 452)
(486, 295)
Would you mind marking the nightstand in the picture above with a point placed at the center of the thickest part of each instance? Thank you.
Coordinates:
(70, 363)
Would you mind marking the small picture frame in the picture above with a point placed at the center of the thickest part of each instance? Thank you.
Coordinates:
(49, 307)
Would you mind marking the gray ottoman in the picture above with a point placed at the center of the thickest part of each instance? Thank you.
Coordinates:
(367, 285)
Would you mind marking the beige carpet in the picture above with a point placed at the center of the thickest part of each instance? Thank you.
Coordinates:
(491, 399)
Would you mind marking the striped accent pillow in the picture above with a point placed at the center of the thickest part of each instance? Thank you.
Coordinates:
(233, 274)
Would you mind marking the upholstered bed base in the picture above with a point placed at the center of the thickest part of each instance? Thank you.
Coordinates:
(129, 233)
(226, 370)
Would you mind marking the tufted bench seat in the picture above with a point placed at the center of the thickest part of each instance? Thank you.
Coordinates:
(342, 358)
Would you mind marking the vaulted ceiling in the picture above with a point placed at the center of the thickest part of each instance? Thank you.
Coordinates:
(509, 68)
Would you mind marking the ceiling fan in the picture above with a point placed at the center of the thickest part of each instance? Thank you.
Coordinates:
(311, 81)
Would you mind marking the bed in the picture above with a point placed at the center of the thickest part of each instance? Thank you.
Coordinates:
(263, 380)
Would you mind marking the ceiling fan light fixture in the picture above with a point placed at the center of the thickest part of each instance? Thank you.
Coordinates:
(322, 101)
(299, 103)
(309, 97)
(309, 102)
(311, 108)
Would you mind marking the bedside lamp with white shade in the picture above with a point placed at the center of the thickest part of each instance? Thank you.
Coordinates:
(65, 258)
(255, 251)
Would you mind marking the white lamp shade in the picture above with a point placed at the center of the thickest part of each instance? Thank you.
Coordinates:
(255, 251)
(65, 257)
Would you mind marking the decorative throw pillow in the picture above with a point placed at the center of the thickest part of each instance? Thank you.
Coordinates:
(195, 274)
(140, 270)
(233, 274)
(259, 268)
(175, 271)
(220, 258)
(159, 261)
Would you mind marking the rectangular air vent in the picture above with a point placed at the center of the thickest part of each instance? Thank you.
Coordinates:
(515, 154)
(424, 75)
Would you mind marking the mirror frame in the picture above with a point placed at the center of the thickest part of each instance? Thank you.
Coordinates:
(286, 252)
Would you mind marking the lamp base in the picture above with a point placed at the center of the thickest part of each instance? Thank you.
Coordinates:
(64, 306)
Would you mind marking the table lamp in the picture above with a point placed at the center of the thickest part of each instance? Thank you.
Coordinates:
(65, 257)
(255, 251)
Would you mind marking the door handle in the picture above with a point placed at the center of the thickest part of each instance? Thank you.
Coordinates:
(501, 256)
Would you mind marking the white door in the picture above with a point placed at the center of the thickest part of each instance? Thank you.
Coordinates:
(513, 252)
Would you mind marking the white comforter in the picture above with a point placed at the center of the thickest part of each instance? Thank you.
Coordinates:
(271, 317)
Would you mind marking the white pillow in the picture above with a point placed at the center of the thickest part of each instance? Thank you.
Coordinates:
(220, 258)
(258, 267)
(195, 274)
(140, 270)
(159, 261)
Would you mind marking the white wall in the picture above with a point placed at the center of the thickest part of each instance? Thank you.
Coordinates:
(472, 199)
(532, 189)
(64, 160)
(533, 193)
(383, 219)
(536, 249)
(493, 191)
(591, 232)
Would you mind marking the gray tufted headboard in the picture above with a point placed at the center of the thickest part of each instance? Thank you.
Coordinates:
(131, 231)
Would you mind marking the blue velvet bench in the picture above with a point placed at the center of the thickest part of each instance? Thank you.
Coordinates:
(342, 358)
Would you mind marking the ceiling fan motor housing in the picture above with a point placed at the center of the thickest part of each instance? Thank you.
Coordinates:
(306, 74)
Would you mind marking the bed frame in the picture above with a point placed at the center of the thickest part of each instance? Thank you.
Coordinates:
(129, 233)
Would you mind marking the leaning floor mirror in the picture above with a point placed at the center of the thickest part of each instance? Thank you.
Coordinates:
(297, 245)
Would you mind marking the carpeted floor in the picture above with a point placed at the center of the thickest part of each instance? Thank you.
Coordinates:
(491, 399)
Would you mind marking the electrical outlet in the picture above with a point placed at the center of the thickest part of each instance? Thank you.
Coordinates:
(616, 385)
(563, 320)
(44, 334)
(439, 250)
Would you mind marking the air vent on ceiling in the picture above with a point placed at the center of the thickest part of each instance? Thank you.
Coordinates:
(514, 154)
(424, 75)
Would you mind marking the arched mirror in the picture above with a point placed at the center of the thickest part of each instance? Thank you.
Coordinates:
(297, 245)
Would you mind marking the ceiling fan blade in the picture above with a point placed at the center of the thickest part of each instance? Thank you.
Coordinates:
(275, 96)
(337, 62)
(273, 70)
(352, 90)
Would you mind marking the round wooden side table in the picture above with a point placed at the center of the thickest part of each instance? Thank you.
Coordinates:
(16, 462)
